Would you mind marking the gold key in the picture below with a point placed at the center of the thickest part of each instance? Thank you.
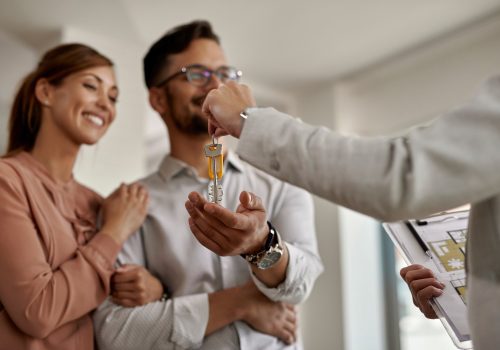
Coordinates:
(213, 152)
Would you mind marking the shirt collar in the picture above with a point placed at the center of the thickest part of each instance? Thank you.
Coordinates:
(171, 166)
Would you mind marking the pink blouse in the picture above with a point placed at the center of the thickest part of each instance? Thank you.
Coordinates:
(54, 269)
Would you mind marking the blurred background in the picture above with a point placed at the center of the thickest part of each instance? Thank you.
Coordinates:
(360, 67)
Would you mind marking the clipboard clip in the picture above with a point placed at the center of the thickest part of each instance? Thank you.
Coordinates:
(437, 221)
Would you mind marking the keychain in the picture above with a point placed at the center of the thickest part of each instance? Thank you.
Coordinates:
(213, 152)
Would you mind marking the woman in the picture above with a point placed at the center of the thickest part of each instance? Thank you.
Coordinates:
(55, 266)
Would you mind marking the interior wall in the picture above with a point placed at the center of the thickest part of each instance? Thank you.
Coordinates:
(417, 86)
(16, 60)
(322, 314)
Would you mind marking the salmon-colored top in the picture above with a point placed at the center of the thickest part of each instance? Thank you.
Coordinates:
(54, 269)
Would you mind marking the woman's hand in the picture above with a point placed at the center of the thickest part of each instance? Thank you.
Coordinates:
(124, 211)
(134, 285)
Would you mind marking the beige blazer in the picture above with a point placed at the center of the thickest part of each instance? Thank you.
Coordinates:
(454, 161)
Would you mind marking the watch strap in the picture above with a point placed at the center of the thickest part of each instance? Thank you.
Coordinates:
(271, 241)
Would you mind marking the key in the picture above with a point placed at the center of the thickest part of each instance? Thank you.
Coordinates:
(213, 152)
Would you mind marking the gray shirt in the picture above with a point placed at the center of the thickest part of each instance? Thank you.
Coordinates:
(453, 161)
(170, 251)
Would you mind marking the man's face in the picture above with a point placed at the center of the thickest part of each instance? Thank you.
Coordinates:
(184, 100)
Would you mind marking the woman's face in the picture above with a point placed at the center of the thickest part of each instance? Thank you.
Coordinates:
(83, 105)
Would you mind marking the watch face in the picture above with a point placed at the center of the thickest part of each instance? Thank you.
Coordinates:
(269, 260)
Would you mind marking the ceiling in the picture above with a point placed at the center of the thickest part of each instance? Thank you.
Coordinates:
(281, 43)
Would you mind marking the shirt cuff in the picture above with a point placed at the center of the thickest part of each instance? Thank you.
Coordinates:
(251, 131)
(292, 289)
(190, 320)
(103, 250)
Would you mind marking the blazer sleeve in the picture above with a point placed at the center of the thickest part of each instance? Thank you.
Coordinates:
(448, 163)
(37, 298)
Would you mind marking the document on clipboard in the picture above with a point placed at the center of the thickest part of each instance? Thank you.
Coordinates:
(438, 243)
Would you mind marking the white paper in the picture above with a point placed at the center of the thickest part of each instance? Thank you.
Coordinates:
(444, 235)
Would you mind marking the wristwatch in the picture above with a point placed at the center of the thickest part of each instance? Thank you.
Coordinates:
(271, 251)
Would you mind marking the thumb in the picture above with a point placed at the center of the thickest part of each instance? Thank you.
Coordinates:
(250, 201)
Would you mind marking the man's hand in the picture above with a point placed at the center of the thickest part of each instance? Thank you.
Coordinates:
(270, 317)
(423, 287)
(224, 232)
(223, 106)
(133, 285)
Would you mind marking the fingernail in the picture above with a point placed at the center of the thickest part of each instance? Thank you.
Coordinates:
(442, 284)
(188, 205)
(193, 197)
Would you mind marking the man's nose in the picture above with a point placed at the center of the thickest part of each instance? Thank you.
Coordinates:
(214, 82)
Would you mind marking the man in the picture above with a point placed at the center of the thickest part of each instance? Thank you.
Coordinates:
(215, 302)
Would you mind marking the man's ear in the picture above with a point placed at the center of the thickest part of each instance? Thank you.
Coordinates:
(43, 92)
(157, 100)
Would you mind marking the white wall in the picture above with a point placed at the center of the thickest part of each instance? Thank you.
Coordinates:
(417, 86)
(16, 60)
(322, 321)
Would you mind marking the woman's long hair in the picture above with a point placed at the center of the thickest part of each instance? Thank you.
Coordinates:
(55, 65)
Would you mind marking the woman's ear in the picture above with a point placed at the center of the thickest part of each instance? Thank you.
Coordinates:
(43, 92)
(157, 100)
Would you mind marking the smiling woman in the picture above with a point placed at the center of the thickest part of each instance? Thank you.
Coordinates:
(55, 265)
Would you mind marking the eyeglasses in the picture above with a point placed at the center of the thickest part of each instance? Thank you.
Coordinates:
(199, 75)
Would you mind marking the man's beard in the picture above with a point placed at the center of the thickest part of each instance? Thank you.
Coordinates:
(184, 120)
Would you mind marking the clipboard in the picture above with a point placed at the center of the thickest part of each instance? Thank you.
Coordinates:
(438, 243)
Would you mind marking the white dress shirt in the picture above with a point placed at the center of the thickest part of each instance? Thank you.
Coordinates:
(170, 251)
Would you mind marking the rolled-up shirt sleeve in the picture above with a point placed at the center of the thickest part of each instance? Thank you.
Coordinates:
(176, 323)
(293, 217)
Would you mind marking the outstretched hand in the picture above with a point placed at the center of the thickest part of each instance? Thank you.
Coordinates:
(225, 232)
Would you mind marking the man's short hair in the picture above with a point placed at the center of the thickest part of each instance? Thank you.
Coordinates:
(174, 41)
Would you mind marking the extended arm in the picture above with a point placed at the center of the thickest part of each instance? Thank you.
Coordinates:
(449, 163)
(292, 277)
